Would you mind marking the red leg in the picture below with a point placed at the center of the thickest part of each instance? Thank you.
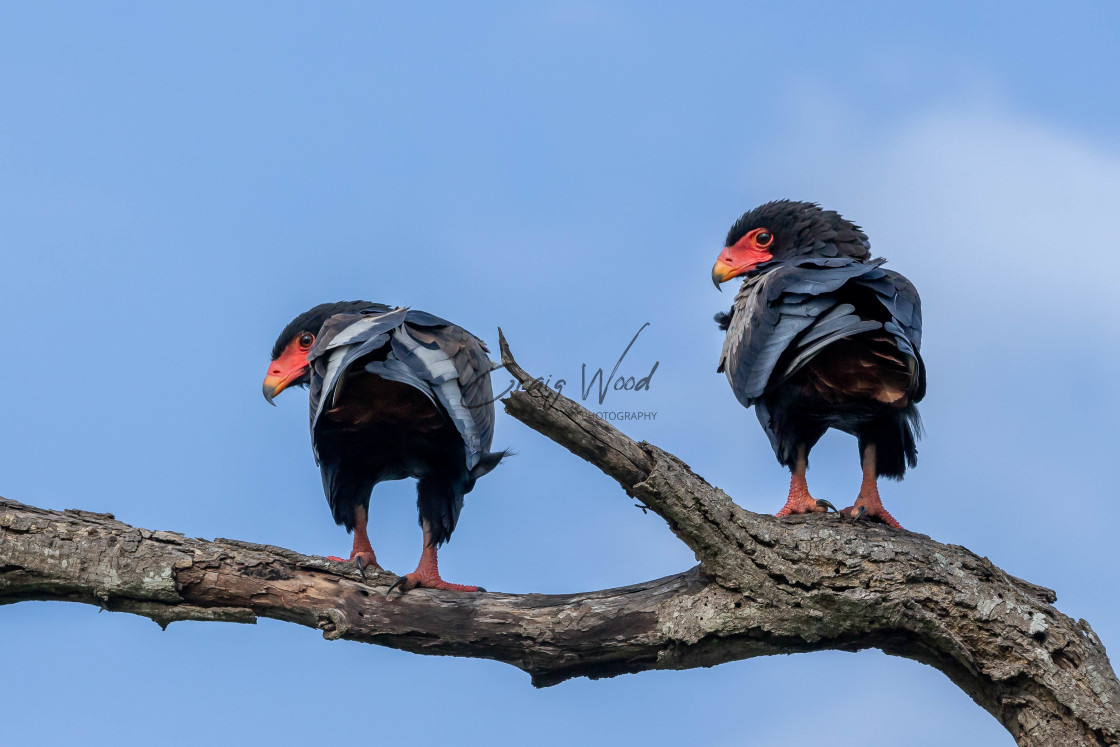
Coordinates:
(362, 548)
(868, 498)
(426, 574)
(799, 500)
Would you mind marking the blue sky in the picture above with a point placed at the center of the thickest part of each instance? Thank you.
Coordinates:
(177, 182)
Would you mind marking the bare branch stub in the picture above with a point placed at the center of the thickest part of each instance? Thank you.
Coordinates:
(764, 586)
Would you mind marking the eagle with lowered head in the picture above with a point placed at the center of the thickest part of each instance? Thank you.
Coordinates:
(395, 393)
(822, 336)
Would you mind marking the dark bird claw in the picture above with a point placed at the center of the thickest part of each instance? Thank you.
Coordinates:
(399, 582)
(427, 579)
(822, 503)
(859, 514)
(361, 566)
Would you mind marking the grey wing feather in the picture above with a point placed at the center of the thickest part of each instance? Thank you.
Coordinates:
(455, 364)
(394, 369)
(901, 298)
(361, 334)
(792, 308)
(424, 319)
(906, 309)
(846, 326)
(444, 361)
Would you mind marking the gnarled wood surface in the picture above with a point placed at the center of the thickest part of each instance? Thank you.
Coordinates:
(763, 586)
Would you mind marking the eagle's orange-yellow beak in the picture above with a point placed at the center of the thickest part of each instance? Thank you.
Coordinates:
(739, 259)
(722, 271)
(284, 371)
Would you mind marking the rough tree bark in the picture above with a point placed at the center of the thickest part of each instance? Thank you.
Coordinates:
(763, 586)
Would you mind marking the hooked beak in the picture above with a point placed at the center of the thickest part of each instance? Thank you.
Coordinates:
(276, 383)
(721, 272)
(273, 385)
(288, 368)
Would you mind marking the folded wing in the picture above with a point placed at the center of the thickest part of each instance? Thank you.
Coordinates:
(783, 319)
(443, 361)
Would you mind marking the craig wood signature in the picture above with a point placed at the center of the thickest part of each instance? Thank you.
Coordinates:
(602, 383)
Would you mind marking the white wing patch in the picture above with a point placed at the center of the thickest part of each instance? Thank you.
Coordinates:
(414, 359)
(360, 329)
(330, 378)
(445, 378)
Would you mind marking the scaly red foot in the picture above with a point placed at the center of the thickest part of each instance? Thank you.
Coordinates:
(362, 558)
(426, 576)
(807, 505)
(362, 554)
(419, 580)
(869, 507)
(800, 501)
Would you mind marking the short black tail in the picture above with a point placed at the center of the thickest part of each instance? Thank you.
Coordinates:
(895, 438)
(487, 462)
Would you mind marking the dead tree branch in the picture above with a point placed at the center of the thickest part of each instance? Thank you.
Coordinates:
(764, 586)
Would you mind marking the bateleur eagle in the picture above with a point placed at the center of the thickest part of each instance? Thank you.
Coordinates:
(822, 336)
(395, 393)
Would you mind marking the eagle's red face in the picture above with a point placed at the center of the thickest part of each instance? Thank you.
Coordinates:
(290, 367)
(746, 254)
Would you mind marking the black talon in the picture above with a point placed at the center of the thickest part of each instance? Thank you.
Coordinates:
(400, 580)
(479, 588)
(859, 514)
(822, 503)
(361, 566)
